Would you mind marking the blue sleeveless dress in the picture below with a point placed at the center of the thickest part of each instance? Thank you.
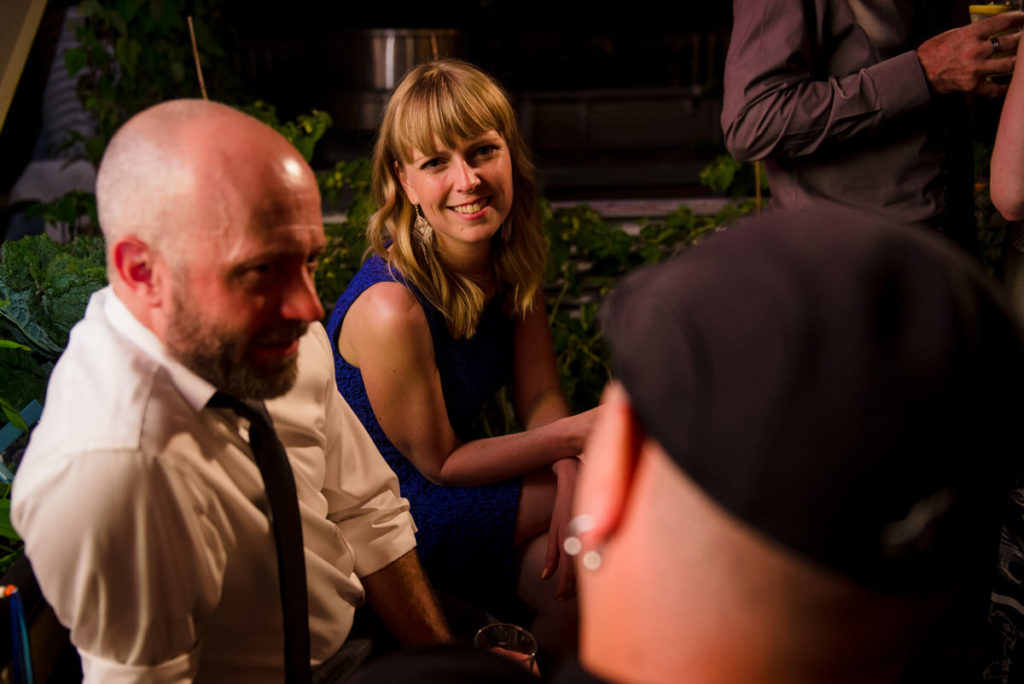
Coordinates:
(465, 534)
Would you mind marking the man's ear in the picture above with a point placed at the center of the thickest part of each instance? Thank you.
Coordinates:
(609, 463)
(136, 266)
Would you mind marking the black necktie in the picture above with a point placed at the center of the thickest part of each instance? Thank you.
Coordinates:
(284, 517)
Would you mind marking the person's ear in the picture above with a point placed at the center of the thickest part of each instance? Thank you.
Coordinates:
(609, 463)
(403, 179)
(135, 263)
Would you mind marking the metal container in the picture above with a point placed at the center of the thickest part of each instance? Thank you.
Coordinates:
(368, 64)
(386, 54)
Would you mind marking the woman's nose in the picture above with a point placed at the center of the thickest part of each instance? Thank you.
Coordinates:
(468, 180)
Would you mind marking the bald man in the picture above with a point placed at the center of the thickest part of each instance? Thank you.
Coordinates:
(143, 512)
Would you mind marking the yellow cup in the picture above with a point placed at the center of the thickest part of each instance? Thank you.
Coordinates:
(979, 12)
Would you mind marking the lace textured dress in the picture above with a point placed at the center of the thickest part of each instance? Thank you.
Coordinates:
(465, 534)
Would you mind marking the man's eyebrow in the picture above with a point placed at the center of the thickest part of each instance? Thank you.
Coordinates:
(275, 254)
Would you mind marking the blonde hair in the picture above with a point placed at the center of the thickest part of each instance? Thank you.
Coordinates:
(450, 100)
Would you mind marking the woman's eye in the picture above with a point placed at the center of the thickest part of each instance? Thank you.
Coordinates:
(486, 150)
(431, 164)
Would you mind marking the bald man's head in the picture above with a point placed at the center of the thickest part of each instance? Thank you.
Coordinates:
(213, 227)
(165, 170)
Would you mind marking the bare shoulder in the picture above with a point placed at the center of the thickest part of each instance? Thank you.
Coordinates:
(386, 304)
(534, 322)
(385, 318)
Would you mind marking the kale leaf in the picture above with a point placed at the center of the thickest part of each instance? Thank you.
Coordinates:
(47, 285)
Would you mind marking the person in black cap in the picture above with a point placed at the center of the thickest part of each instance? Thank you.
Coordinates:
(798, 473)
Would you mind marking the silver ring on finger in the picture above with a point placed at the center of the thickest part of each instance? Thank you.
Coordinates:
(996, 48)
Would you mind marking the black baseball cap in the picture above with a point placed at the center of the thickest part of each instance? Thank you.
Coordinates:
(845, 385)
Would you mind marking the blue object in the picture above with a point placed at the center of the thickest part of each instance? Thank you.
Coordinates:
(30, 414)
(21, 654)
(465, 535)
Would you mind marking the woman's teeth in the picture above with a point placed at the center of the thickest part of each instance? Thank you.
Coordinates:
(470, 208)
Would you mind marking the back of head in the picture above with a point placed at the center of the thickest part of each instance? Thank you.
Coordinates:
(135, 173)
(152, 170)
(840, 387)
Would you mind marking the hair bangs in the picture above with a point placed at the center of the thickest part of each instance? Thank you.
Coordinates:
(438, 105)
(441, 111)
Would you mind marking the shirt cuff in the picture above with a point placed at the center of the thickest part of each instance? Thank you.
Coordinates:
(96, 670)
(388, 540)
(900, 85)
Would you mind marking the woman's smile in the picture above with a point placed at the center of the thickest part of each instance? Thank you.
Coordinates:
(470, 209)
(464, 191)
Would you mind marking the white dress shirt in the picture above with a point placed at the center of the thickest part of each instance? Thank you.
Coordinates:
(144, 514)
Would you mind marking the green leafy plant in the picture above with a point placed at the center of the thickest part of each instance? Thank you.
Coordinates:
(587, 258)
(303, 133)
(346, 240)
(991, 225)
(75, 210)
(727, 176)
(9, 409)
(134, 53)
(10, 543)
(47, 285)
(131, 54)
(347, 186)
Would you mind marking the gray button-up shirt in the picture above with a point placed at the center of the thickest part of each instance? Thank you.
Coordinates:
(836, 103)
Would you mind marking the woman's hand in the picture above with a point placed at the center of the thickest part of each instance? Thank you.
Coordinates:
(579, 426)
(557, 559)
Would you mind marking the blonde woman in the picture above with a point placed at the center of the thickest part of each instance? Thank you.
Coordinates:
(447, 310)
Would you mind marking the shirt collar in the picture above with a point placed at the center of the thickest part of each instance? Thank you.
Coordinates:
(194, 389)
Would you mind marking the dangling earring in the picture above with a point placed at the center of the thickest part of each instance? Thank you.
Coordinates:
(422, 228)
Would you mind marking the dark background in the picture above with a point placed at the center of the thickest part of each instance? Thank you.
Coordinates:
(616, 97)
(527, 44)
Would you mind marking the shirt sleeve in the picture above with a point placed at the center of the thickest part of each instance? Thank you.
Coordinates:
(361, 489)
(107, 539)
(778, 101)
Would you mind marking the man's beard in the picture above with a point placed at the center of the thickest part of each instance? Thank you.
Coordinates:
(220, 356)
